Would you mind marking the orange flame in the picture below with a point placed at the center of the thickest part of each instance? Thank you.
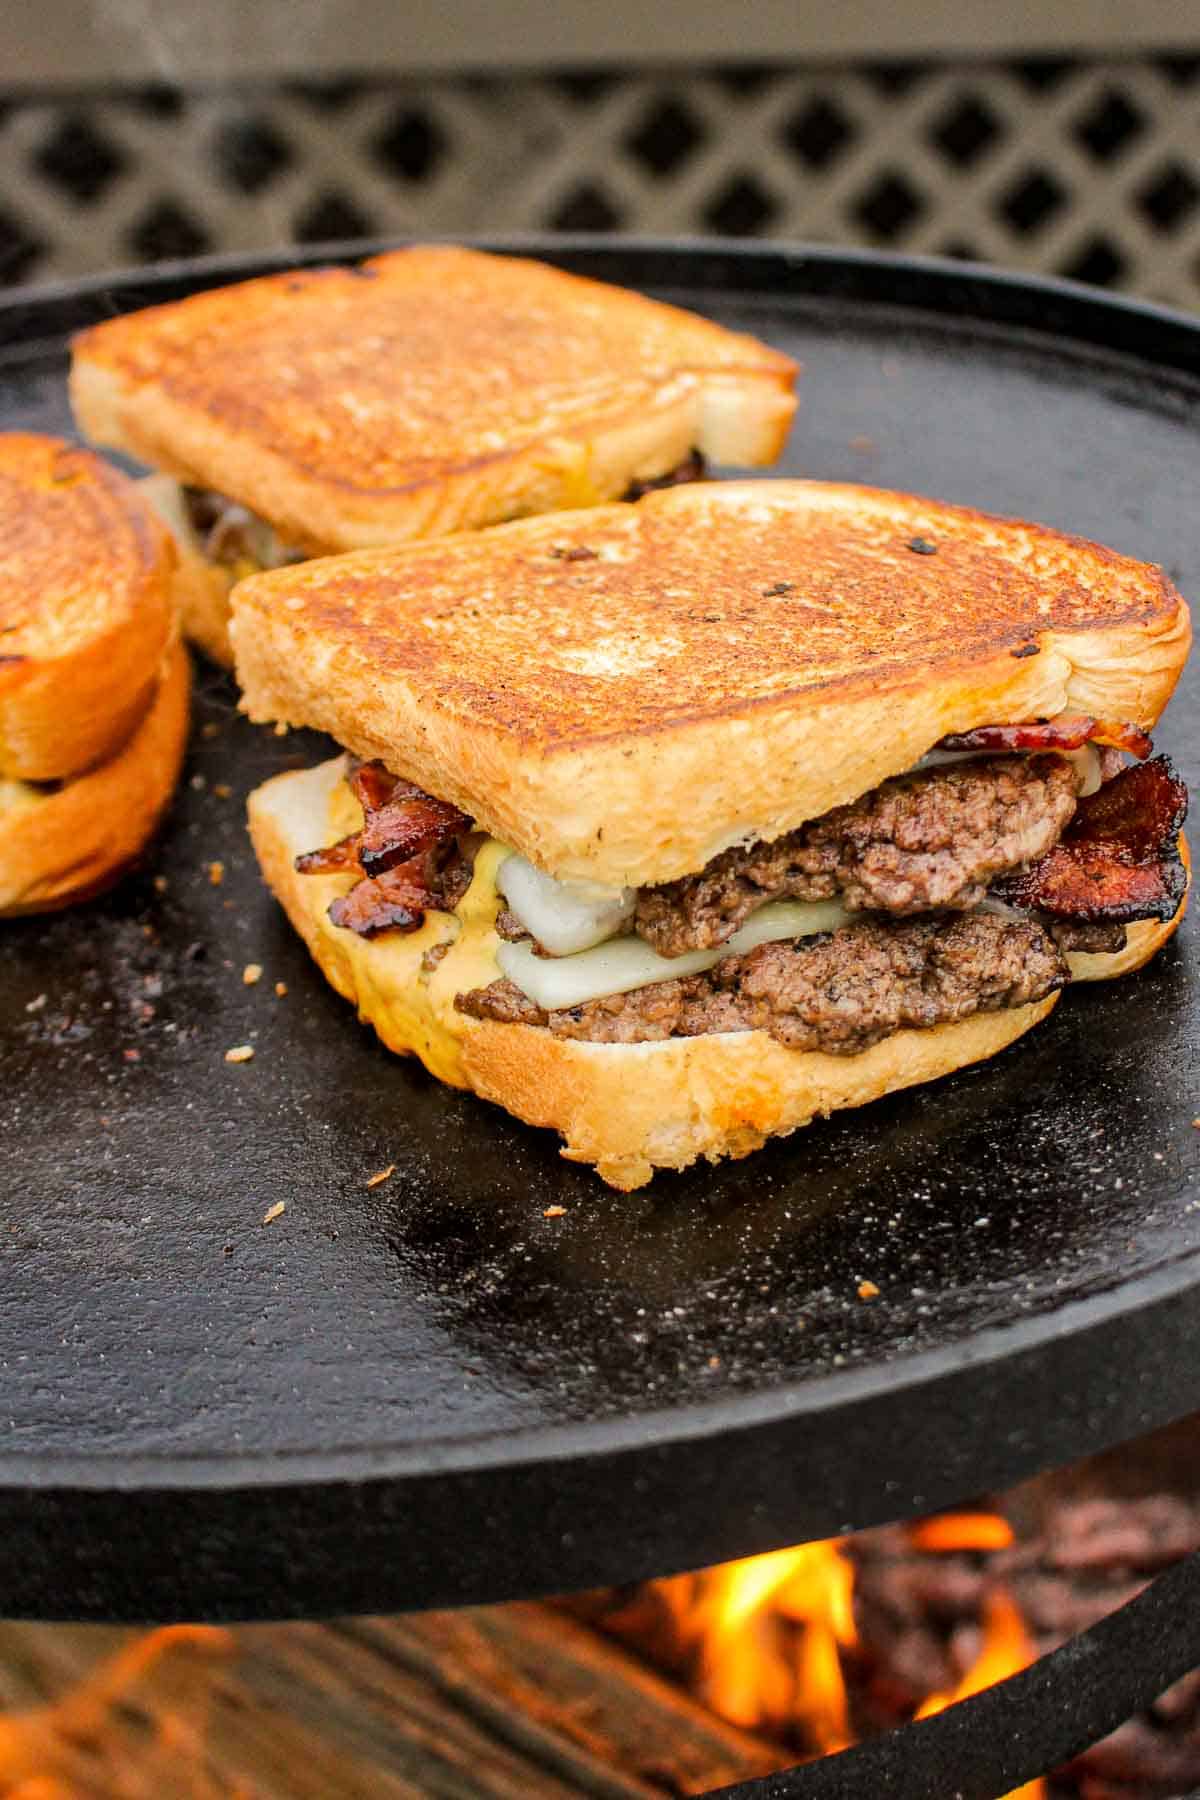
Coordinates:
(1006, 1649)
(92, 1735)
(765, 1636)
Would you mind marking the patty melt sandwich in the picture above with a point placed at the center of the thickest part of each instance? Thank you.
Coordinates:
(93, 680)
(427, 391)
(675, 824)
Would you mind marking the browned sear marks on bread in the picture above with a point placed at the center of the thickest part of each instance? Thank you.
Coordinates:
(507, 630)
(443, 360)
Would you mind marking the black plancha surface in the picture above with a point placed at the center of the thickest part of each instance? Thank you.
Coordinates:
(427, 1391)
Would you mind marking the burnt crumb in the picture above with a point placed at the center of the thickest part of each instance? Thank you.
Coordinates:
(922, 547)
(195, 952)
(1023, 650)
(573, 553)
(8, 662)
(433, 956)
(779, 587)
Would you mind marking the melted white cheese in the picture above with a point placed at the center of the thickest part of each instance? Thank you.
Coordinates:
(626, 963)
(563, 916)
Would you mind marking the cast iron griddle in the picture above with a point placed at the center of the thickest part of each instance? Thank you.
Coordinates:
(429, 1392)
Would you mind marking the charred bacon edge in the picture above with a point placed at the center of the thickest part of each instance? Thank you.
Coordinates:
(1070, 732)
(397, 852)
(1118, 860)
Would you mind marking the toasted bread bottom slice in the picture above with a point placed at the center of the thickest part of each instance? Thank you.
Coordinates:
(627, 1108)
(61, 847)
(202, 587)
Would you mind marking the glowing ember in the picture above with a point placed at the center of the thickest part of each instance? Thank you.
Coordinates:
(763, 1639)
(962, 1531)
(97, 1739)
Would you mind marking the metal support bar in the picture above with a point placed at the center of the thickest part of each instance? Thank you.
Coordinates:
(1023, 1727)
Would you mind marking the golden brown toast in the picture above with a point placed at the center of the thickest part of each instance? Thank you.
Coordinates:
(622, 693)
(429, 390)
(87, 607)
(65, 845)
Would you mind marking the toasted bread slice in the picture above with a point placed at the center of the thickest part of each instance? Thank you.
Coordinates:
(622, 693)
(430, 390)
(627, 1108)
(87, 607)
(66, 845)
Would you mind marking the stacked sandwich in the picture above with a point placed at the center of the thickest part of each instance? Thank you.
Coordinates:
(93, 679)
(673, 824)
(426, 391)
(668, 821)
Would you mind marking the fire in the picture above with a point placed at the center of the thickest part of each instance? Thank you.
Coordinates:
(765, 1640)
(766, 1634)
(96, 1738)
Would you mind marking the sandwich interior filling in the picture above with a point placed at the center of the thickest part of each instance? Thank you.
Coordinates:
(229, 534)
(956, 888)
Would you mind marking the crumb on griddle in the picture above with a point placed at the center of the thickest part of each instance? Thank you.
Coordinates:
(382, 1175)
(240, 1053)
(252, 974)
(274, 1212)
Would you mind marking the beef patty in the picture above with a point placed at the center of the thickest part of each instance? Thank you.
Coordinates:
(841, 992)
(918, 843)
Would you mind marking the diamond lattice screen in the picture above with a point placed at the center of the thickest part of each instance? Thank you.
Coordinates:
(1085, 169)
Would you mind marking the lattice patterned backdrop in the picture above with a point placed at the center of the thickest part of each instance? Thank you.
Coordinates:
(1088, 169)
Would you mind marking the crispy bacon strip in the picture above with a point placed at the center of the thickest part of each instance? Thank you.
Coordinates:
(394, 901)
(395, 851)
(1118, 859)
(333, 860)
(1069, 732)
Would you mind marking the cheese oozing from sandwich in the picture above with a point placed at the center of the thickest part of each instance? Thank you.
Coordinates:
(564, 916)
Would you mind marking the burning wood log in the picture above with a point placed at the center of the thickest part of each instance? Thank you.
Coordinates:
(503, 1703)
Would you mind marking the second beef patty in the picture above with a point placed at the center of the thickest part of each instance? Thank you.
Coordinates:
(840, 993)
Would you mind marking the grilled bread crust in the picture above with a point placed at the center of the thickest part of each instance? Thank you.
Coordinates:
(87, 607)
(430, 390)
(622, 693)
(65, 846)
(629, 1109)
